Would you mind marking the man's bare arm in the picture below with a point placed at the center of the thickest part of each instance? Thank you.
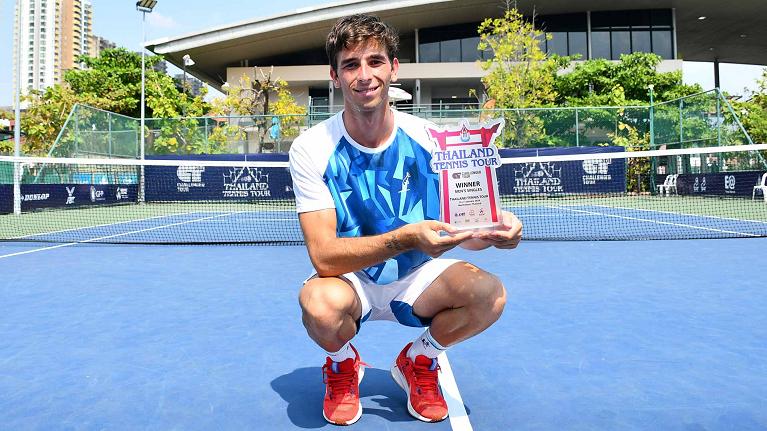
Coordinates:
(332, 256)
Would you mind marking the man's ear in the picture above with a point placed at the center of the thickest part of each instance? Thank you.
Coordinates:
(334, 78)
(394, 69)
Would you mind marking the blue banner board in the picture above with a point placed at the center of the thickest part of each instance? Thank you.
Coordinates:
(562, 177)
(206, 183)
(719, 184)
(39, 196)
(6, 198)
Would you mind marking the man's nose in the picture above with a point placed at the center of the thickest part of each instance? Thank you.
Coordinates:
(365, 73)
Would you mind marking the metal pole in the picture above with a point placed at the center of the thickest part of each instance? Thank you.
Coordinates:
(17, 119)
(653, 160)
(577, 132)
(109, 122)
(142, 183)
(718, 119)
(652, 120)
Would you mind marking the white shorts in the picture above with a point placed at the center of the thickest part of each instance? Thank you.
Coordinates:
(394, 301)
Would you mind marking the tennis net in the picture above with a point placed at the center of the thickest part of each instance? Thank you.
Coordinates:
(586, 193)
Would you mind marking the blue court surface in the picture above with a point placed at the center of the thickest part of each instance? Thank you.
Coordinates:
(638, 335)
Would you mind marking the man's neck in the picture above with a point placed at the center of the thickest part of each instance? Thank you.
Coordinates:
(370, 129)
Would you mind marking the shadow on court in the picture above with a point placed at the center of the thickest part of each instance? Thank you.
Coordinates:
(380, 396)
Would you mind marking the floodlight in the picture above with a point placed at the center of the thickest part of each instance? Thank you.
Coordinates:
(145, 5)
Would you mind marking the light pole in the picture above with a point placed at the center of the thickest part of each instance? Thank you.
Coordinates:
(143, 6)
(187, 62)
(17, 118)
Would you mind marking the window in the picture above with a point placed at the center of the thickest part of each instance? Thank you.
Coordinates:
(469, 51)
(429, 52)
(623, 32)
(621, 44)
(454, 43)
(568, 34)
(557, 44)
(600, 44)
(450, 50)
(661, 44)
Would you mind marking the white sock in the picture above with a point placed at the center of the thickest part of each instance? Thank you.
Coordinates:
(344, 353)
(425, 345)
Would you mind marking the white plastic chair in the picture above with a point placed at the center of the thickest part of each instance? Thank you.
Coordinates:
(762, 186)
(668, 184)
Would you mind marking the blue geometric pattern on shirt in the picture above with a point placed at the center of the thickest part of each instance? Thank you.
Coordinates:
(378, 192)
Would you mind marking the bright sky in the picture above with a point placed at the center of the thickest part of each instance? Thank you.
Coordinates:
(119, 22)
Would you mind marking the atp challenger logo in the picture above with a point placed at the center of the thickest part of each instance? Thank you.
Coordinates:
(191, 176)
(596, 170)
(538, 177)
(246, 182)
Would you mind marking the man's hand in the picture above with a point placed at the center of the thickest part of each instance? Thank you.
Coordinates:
(426, 237)
(506, 236)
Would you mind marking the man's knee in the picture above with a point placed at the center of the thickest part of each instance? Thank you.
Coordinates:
(324, 298)
(484, 291)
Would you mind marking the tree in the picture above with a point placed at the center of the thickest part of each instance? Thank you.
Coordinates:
(596, 82)
(44, 118)
(112, 82)
(754, 112)
(520, 73)
(254, 98)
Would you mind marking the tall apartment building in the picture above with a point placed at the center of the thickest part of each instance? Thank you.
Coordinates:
(50, 35)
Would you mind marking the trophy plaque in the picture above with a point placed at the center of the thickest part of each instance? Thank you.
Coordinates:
(465, 159)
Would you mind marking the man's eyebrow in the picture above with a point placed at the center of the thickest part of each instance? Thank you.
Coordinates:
(349, 60)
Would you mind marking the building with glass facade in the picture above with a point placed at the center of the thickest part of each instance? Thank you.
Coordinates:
(438, 49)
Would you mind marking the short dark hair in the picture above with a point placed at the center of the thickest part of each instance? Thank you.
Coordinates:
(354, 29)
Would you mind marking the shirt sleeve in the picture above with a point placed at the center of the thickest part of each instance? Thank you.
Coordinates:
(311, 191)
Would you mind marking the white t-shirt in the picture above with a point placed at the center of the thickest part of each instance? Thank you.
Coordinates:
(373, 190)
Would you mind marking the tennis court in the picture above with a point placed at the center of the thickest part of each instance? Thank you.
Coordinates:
(603, 329)
(596, 335)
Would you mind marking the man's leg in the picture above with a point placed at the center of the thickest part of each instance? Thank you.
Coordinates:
(461, 302)
(331, 309)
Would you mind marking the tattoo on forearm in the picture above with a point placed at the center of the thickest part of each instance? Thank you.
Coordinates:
(393, 243)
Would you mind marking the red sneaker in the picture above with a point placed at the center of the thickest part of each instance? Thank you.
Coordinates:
(419, 379)
(342, 395)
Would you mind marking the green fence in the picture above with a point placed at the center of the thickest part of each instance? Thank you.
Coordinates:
(701, 120)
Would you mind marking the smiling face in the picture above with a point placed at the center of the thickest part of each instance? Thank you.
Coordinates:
(364, 72)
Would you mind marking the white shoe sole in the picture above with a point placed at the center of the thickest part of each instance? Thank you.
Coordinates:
(356, 417)
(402, 382)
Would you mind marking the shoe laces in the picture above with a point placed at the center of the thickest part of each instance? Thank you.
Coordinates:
(340, 383)
(426, 379)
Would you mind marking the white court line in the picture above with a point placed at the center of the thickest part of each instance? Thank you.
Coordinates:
(112, 236)
(656, 221)
(684, 214)
(102, 225)
(255, 219)
(459, 419)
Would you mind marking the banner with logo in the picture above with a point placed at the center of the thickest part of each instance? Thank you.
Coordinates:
(720, 183)
(39, 196)
(579, 176)
(206, 183)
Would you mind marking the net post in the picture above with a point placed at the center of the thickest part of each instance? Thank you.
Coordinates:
(16, 186)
